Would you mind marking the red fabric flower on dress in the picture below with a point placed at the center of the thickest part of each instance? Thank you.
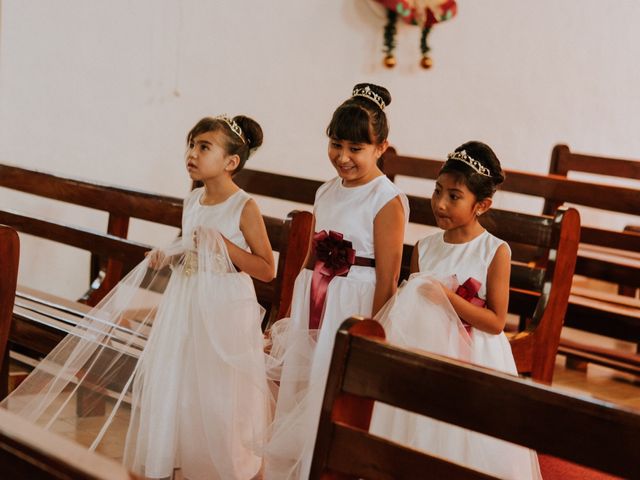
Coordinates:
(469, 291)
(333, 251)
(334, 257)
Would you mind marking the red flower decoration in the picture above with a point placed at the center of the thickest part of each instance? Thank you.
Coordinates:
(469, 291)
(334, 257)
(333, 251)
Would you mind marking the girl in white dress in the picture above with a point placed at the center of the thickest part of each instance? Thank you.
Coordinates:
(175, 351)
(200, 400)
(352, 269)
(455, 304)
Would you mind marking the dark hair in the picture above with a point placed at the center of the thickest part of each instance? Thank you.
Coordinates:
(480, 185)
(234, 145)
(360, 119)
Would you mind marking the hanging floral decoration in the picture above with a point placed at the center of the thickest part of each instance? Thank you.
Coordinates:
(424, 13)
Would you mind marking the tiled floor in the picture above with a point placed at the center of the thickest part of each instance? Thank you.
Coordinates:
(599, 383)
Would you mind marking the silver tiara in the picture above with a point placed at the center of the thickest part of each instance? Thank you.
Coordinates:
(366, 92)
(235, 128)
(472, 162)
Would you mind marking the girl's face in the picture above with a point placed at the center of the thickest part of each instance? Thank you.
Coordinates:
(355, 162)
(206, 157)
(454, 205)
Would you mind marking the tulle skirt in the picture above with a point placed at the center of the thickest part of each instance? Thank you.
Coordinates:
(421, 317)
(175, 358)
(300, 360)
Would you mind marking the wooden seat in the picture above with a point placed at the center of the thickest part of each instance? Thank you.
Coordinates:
(365, 369)
(9, 258)
(611, 256)
(30, 452)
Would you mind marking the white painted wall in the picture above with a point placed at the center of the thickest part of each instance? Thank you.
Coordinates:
(108, 90)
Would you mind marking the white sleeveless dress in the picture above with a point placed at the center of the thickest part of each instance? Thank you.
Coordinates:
(305, 354)
(200, 398)
(420, 316)
(175, 354)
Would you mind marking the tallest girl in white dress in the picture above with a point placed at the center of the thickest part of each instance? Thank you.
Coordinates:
(360, 215)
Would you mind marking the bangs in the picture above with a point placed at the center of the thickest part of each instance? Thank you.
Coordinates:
(482, 187)
(351, 123)
(203, 126)
(458, 170)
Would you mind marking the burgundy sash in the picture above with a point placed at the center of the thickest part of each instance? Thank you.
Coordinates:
(333, 258)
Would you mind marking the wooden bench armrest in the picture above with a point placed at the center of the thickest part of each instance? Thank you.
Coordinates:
(364, 370)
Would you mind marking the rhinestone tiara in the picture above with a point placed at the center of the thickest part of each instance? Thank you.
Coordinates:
(472, 162)
(366, 92)
(235, 128)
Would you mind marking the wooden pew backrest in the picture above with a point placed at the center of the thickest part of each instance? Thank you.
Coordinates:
(285, 187)
(365, 369)
(9, 258)
(563, 161)
(120, 204)
(290, 238)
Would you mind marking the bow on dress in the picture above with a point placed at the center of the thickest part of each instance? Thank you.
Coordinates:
(469, 291)
(333, 258)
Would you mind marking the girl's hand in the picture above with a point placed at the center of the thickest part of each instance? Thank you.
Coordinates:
(195, 237)
(156, 259)
(447, 291)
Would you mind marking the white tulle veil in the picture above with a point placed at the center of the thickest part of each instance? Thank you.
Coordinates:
(96, 384)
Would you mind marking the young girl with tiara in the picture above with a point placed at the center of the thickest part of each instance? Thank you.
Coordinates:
(179, 339)
(352, 268)
(455, 304)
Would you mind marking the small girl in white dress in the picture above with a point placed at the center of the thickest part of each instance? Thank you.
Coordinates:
(352, 269)
(455, 304)
(175, 350)
(200, 396)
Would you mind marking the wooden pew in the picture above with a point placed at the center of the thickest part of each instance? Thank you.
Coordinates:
(40, 319)
(563, 161)
(364, 369)
(538, 293)
(9, 258)
(606, 255)
(30, 452)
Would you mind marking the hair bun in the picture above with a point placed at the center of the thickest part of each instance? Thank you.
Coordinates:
(377, 89)
(251, 130)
